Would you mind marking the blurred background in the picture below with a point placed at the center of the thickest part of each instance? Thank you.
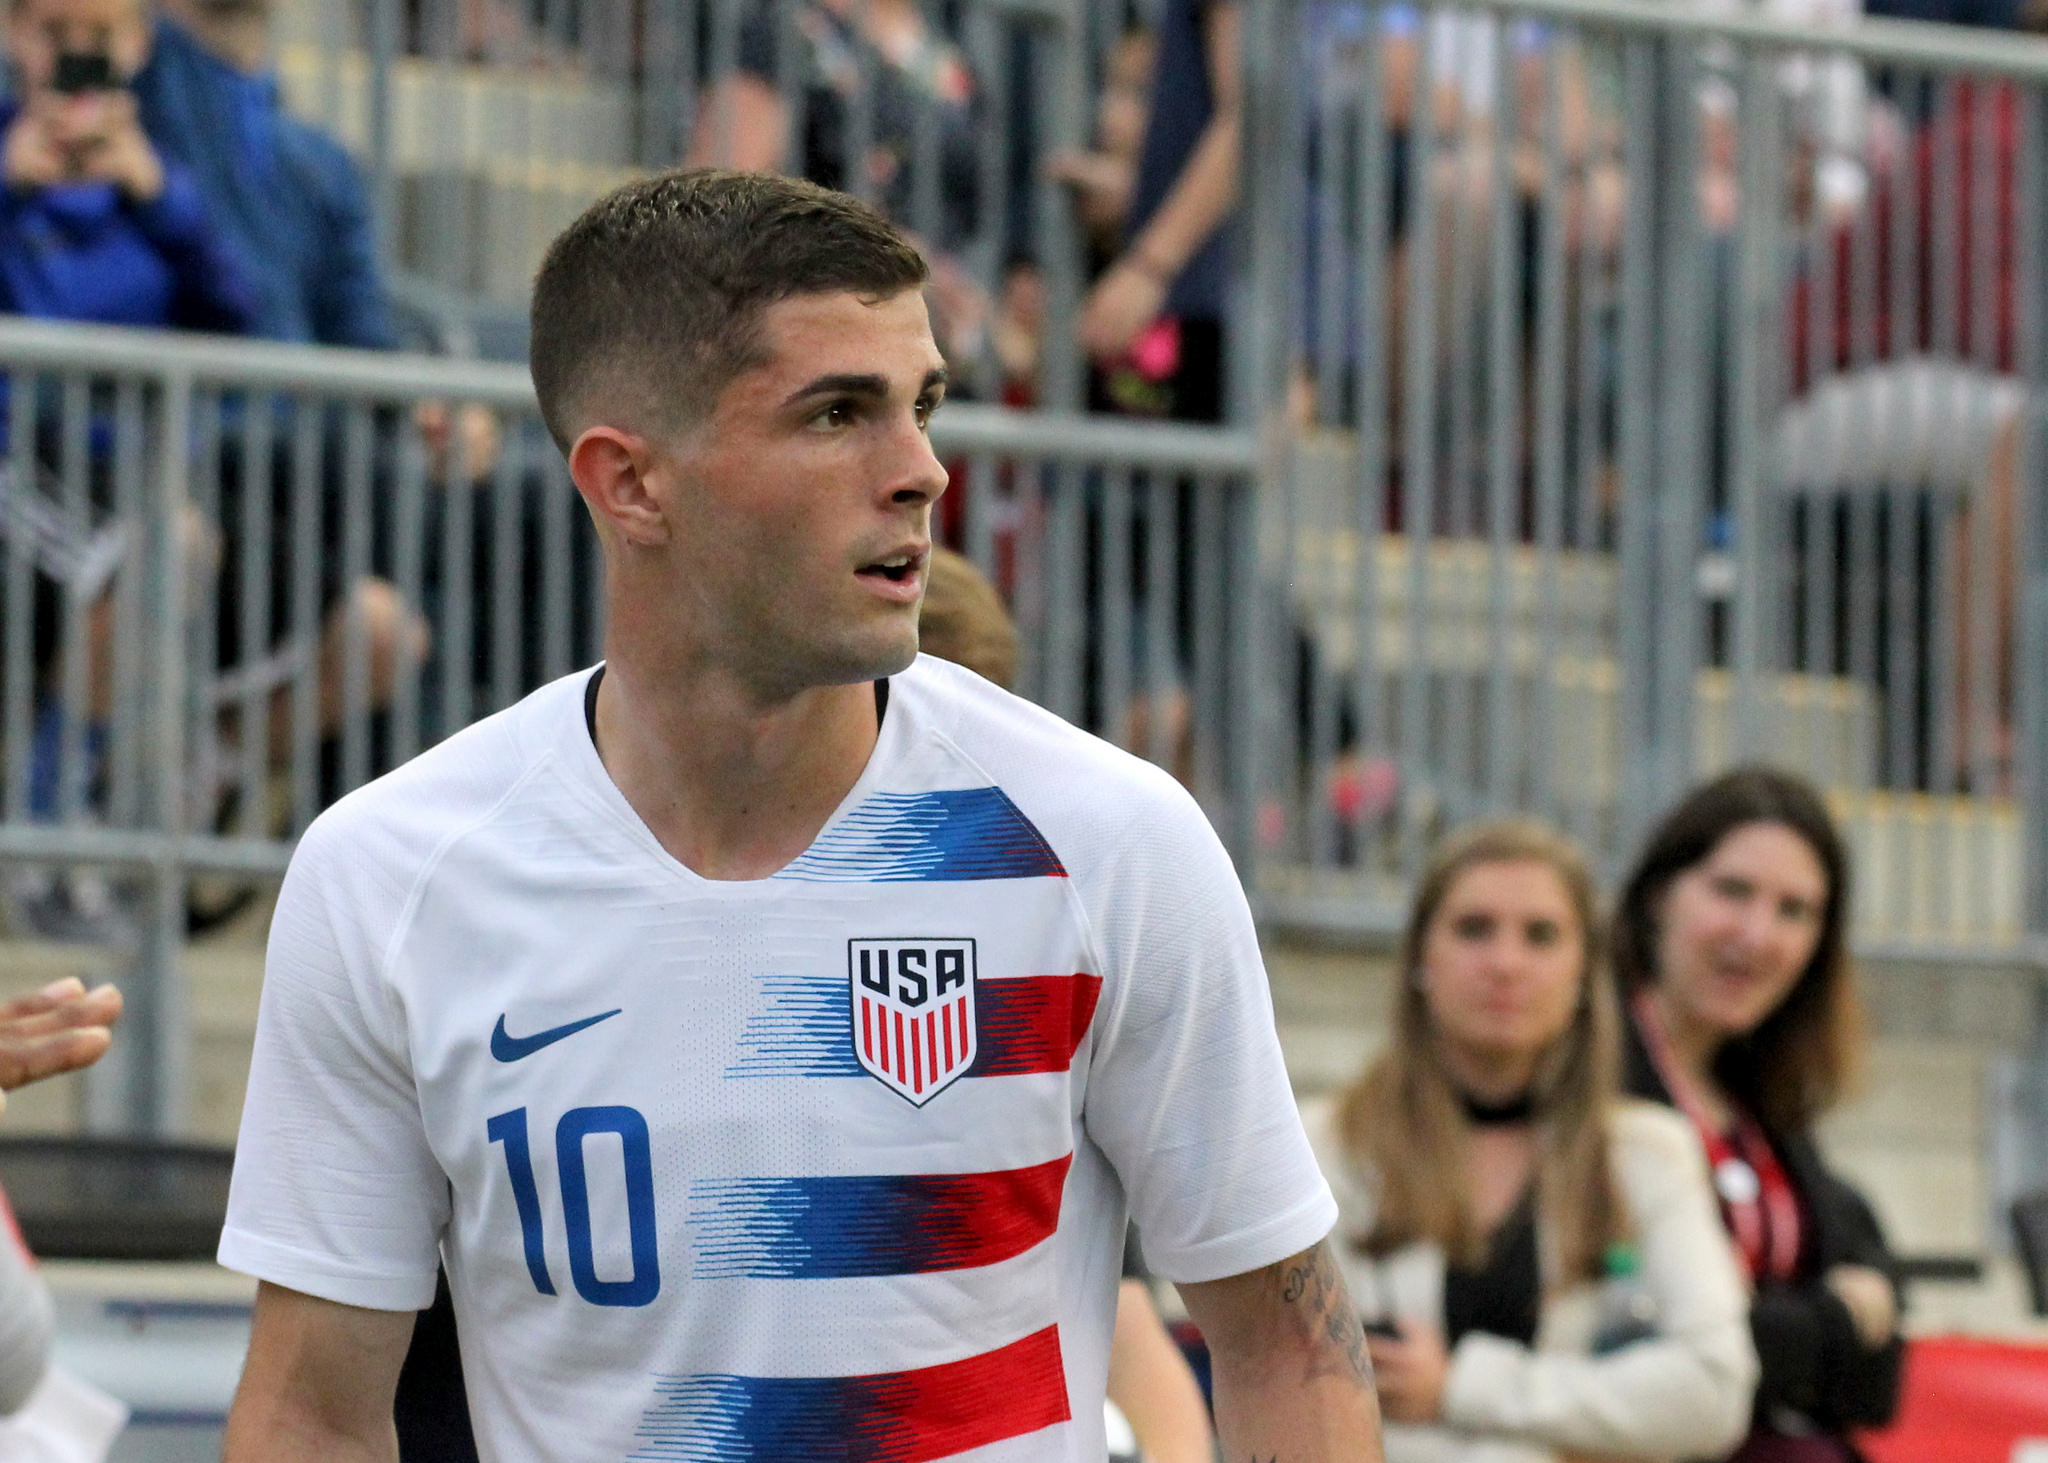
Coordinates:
(1380, 415)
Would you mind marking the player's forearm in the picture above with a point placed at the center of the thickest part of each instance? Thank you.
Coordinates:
(271, 1430)
(1293, 1383)
(1308, 1420)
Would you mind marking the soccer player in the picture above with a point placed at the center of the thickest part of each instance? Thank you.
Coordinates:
(769, 1027)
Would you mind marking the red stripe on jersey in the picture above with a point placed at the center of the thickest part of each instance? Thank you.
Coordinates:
(1034, 1023)
(948, 1409)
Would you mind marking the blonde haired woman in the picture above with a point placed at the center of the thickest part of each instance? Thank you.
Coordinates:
(1503, 1209)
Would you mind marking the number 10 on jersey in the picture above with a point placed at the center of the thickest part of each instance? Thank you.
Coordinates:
(577, 1124)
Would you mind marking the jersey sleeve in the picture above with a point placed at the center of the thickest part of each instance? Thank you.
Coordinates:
(336, 1192)
(1187, 1094)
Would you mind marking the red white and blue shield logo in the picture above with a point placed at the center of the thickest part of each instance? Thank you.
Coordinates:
(913, 1012)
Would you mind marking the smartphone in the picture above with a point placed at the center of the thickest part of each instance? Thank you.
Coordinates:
(82, 71)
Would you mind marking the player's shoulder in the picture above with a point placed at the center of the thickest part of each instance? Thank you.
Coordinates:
(1084, 794)
(401, 818)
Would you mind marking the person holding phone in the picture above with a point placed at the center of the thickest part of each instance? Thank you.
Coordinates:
(95, 224)
(1539, 1265)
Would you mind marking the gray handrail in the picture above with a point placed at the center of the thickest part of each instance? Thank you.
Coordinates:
(226, 361)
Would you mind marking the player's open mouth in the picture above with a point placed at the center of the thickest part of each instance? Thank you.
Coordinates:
(897, 576)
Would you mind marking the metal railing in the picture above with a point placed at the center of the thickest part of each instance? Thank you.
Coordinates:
(314, 563)
(1611, 420)
(1654, 412)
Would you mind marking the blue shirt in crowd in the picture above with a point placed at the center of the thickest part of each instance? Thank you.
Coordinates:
(1182, 104)
(84, 251)
(287, 196)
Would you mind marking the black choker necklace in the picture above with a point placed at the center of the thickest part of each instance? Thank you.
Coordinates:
(1517, 1109)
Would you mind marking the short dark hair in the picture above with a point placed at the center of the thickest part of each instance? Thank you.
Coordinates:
(1800, 1060)
(657, 290)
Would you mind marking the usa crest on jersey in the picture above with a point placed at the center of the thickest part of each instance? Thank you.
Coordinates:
(913, 1012)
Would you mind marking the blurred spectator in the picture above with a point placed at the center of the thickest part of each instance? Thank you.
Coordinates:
(871, 69)
(1539, 1266)
(99, 221)
(1730, 946)
(1174, 266)
(287, 195)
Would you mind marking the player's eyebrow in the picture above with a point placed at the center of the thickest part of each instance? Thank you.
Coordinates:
(860, 383)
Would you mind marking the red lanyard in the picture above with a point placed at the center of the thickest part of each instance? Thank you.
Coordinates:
(1757, 1197)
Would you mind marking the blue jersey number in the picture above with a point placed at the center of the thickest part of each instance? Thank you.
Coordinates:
(578, 1123)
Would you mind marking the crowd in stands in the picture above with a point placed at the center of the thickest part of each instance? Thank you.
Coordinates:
(1551, 1269)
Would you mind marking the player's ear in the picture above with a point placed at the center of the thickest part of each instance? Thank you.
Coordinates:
(612, 468)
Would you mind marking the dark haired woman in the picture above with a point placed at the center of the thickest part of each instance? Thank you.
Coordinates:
(1731, 951)
(1498, 1199)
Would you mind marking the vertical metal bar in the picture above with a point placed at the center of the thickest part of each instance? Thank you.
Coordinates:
(1065, 588)
(1645, 73)
(1207, 673)
(75, 641)
(1860, 655)
(156, 998)
(309, 430)
(1977, 701)
(252, 714)
(1504, 437)
(1029, 589)
(1683, 390)
(1545, 747)
(356, 532)
(384, 21)
(2029, 667)
(990, 60)
(1162, 554)
(124, 770)
(1113, 596)
(983, 480)
(458, 604)
(926, 152)
(661, 112)
(1062, 114)
(408, 510)
(1418, 454)
(558, 558)
(1242, 792)
(1330, 251)
(862, 134)
(509, 630)
(17, 717)
(1372, 391)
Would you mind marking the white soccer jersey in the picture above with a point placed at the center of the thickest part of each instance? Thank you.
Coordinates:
(832, 1164)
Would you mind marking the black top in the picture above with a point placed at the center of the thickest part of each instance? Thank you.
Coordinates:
(1502, 1296)
(1814, 1366)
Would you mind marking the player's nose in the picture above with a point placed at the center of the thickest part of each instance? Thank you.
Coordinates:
(915, 474)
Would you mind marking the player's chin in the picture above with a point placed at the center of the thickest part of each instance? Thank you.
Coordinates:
(879, 650)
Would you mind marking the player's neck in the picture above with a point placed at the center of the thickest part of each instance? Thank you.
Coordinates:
(732, 786)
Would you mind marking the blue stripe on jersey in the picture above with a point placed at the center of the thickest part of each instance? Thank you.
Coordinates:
(958, 834)
(805, 1030)
(851, 1226)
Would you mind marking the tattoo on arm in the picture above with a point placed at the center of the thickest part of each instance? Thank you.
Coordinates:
(1311, 1284)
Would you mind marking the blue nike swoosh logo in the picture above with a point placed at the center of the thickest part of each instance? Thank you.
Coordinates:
(512, 1048)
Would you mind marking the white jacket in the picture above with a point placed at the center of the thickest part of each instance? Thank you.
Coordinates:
(1684, 1394)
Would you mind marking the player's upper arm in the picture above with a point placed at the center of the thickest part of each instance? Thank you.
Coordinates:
(336, 1189)
(1187, 1094)
(319, 1382)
